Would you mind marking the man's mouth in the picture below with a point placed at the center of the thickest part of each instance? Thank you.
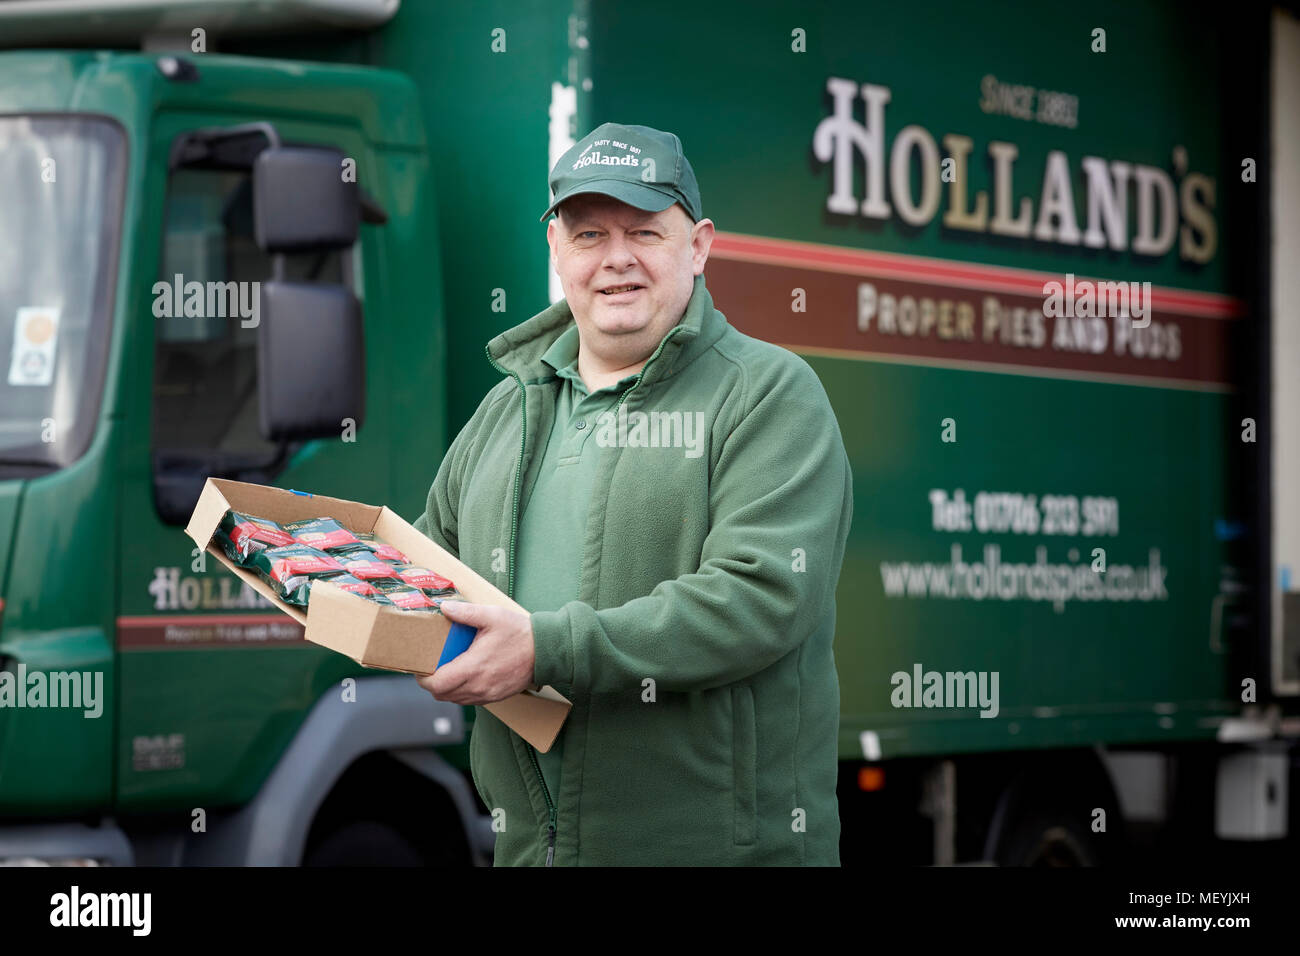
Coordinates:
(619, 289)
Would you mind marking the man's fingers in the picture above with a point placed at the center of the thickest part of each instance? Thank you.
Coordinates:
(448, 679)
(463, 612)
(470, 678)
(451, 676)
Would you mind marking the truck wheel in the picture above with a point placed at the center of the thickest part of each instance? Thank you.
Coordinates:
(1048, 837)
(364, 843)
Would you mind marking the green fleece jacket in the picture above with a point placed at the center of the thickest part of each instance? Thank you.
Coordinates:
(698, 658)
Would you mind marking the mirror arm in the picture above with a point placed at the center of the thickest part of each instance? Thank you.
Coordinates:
(183, 149)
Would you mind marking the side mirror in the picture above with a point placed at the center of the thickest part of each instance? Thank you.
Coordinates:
(311, 347)
(300, 201)
(310, 360)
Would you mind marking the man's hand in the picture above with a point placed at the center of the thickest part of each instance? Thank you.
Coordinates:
(498, 664)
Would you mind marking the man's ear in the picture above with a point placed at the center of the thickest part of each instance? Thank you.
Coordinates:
(701, 241)
(551, 235)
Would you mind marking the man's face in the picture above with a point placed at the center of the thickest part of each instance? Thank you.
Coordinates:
(627, 274)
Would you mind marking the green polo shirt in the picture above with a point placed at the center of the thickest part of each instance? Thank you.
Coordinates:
(553, 525)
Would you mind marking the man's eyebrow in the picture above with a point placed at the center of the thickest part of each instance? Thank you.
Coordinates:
(583, 220)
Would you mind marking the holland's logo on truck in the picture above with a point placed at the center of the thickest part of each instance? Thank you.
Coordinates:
(839, 139)
(172, 592)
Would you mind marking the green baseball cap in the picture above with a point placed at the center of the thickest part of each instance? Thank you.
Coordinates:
(640, 166)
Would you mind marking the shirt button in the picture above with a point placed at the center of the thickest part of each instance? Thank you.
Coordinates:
(582, 424)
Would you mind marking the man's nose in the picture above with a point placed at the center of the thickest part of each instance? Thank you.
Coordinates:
(618, 254)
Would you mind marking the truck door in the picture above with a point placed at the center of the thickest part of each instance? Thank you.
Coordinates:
(214, 681)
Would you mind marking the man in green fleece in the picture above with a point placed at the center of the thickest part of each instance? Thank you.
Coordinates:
(670, 499)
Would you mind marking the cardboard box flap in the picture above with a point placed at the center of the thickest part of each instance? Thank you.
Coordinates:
(203, 525)
(342, 621)
(537, 716)
(222, 494)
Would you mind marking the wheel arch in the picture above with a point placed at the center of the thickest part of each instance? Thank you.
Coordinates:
(388, 714)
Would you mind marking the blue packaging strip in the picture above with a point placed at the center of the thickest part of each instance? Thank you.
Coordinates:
(458, 640)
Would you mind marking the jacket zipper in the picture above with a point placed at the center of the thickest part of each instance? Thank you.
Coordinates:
(519, 470)
(550, 808)
(639, 374)
(552, 812)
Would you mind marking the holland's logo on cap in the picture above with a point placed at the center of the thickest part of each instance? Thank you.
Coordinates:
(600, 159)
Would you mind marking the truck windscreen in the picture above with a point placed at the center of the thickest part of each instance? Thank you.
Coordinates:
(60, 225)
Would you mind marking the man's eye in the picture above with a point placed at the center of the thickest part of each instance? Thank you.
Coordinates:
(587, 235)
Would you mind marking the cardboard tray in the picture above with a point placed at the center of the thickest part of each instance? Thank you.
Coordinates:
(372, 634)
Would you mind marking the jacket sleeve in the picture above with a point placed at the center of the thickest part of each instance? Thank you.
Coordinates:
(781, 487)
(439, 520)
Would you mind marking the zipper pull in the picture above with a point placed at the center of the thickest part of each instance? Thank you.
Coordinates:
(550, 849)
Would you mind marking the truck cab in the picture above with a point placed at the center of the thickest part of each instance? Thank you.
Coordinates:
(136, 253)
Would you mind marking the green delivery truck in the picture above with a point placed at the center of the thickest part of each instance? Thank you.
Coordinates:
(1030, 256)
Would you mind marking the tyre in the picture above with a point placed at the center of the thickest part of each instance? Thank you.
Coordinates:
(364, 843)
(1049, 837)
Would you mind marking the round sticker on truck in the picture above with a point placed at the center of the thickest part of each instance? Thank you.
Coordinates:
(36, 335)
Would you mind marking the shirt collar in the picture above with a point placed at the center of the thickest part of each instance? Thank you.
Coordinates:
(563, 357)
(564, 350)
